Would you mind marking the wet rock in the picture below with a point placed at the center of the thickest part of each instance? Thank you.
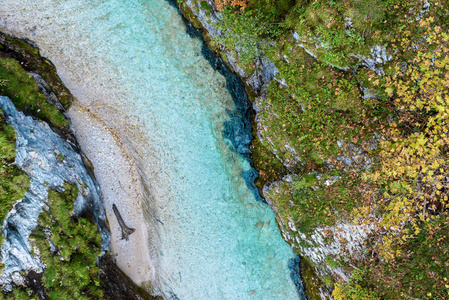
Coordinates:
(38, 154)
(295, 274)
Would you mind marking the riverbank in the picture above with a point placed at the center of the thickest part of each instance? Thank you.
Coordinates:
(334, 90)
(33, 93)
(118, 175)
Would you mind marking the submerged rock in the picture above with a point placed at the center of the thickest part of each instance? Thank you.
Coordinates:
(49, 161)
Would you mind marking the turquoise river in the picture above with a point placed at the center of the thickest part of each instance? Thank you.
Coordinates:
(144, 87)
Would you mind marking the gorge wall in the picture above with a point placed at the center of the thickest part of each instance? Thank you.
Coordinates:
(324, 79)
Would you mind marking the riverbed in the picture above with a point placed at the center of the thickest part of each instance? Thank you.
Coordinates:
(151, 113)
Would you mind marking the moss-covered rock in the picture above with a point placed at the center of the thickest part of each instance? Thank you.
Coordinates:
(28, 55)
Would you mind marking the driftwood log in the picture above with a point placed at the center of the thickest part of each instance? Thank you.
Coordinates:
(126, 231)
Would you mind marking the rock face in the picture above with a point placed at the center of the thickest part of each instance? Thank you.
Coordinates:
(325, 241)
(49, 161)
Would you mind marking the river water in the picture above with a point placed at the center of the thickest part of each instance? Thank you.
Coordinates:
(132, 66)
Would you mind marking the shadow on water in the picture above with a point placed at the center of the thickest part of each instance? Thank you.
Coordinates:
(238, 129)
(294, 265)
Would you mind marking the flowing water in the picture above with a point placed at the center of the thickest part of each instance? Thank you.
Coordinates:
(132, 65)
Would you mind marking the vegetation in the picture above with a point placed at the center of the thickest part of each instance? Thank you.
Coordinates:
(412, 170)
(363, 145)
(13, 182)
(24, 92)
(28, 56)
(69, 247)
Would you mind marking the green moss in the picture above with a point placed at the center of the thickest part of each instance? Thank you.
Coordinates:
(269, 166)
(189, 15)
(71, 270)
(29, 56)
(309, 203)
(60, 157)
(24, 93)
(19, 293)
(13, 182)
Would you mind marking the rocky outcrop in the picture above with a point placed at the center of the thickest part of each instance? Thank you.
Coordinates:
(49, 161)
(341, 241)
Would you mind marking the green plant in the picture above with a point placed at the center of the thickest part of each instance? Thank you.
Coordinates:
(353, 290)
(71, 269)
(13, 182)
(24, 93)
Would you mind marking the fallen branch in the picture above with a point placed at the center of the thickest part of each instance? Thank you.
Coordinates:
(126, 231)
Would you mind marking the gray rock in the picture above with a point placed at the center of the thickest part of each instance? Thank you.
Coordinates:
(282, 82)
(379, 56)
(36, 154)
(265, 71)
(18, 279)
(296, 36)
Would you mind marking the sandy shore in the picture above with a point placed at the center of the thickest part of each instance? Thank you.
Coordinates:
(119, 179)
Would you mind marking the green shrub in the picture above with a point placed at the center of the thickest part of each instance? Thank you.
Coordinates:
(71, 271)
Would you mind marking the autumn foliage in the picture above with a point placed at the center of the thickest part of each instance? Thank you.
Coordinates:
(221, 3)
(411, 179)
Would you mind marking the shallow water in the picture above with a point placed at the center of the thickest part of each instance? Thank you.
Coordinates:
(133, 64)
